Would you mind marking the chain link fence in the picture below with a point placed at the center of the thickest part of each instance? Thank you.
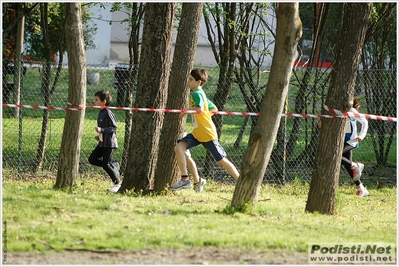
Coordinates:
(32, 136)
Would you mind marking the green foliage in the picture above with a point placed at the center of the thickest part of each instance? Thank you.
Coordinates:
(56, 19)
(381, 42)
(87, 217)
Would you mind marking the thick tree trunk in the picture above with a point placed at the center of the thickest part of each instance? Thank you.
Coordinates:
(68, 165)
(152, 89)
(167, 171)
(324, 183)
(289, 31)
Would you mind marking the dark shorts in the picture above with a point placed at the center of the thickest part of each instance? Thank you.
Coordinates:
(213, 147)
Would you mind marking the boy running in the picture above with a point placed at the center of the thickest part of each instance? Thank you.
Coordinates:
(106, 137)
(204, 132)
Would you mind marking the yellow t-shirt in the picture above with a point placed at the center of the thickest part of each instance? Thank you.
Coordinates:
(204, 129)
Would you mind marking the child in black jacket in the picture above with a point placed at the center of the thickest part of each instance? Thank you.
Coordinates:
(107, 141)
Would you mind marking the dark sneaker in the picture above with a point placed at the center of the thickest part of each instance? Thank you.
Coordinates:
(182, 184)
(198, 187)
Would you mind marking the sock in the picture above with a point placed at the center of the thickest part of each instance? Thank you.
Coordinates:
(361, 186)
(185, 177)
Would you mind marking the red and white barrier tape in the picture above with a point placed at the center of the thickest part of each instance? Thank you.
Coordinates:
(180, 111)
(358, 115)
(336, 113)
(39, 107)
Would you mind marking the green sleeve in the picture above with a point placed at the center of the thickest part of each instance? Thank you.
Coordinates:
(211, 106)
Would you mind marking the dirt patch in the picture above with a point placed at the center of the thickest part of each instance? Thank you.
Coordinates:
(198, 256)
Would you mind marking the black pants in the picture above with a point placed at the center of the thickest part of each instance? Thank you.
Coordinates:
(106, 154)
(346, 159)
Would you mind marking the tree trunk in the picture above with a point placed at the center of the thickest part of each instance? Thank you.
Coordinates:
(281, 147)
(240, 137)
(260, 146)
(167, 170)
(19, 48)
(324, 183)
(68, 166)
(152, 89)
(45, 87)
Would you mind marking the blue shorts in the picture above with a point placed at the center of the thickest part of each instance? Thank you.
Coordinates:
(213, 147)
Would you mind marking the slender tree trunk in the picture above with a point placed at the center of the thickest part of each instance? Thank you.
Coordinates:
(152, 89)
(18, 70)
(45, 87)
(237, 143)
(280, 158)
(68, 165)
(260, 146)
(41, 151)
(324, 183)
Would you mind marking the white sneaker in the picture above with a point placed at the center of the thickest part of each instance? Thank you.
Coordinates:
(362, 192)
(115, 188)
(198, 187)
(357, 171)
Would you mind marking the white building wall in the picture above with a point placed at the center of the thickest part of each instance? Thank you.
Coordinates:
(102, 39)
(119, 46)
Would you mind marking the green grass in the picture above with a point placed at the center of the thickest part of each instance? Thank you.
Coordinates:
(39, 217)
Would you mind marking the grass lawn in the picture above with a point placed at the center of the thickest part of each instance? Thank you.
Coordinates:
(38, 217)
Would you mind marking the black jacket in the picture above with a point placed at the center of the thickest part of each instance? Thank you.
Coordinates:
(107, 122)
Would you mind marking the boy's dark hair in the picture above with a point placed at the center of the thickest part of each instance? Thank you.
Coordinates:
(104, 95)
(200, 74)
